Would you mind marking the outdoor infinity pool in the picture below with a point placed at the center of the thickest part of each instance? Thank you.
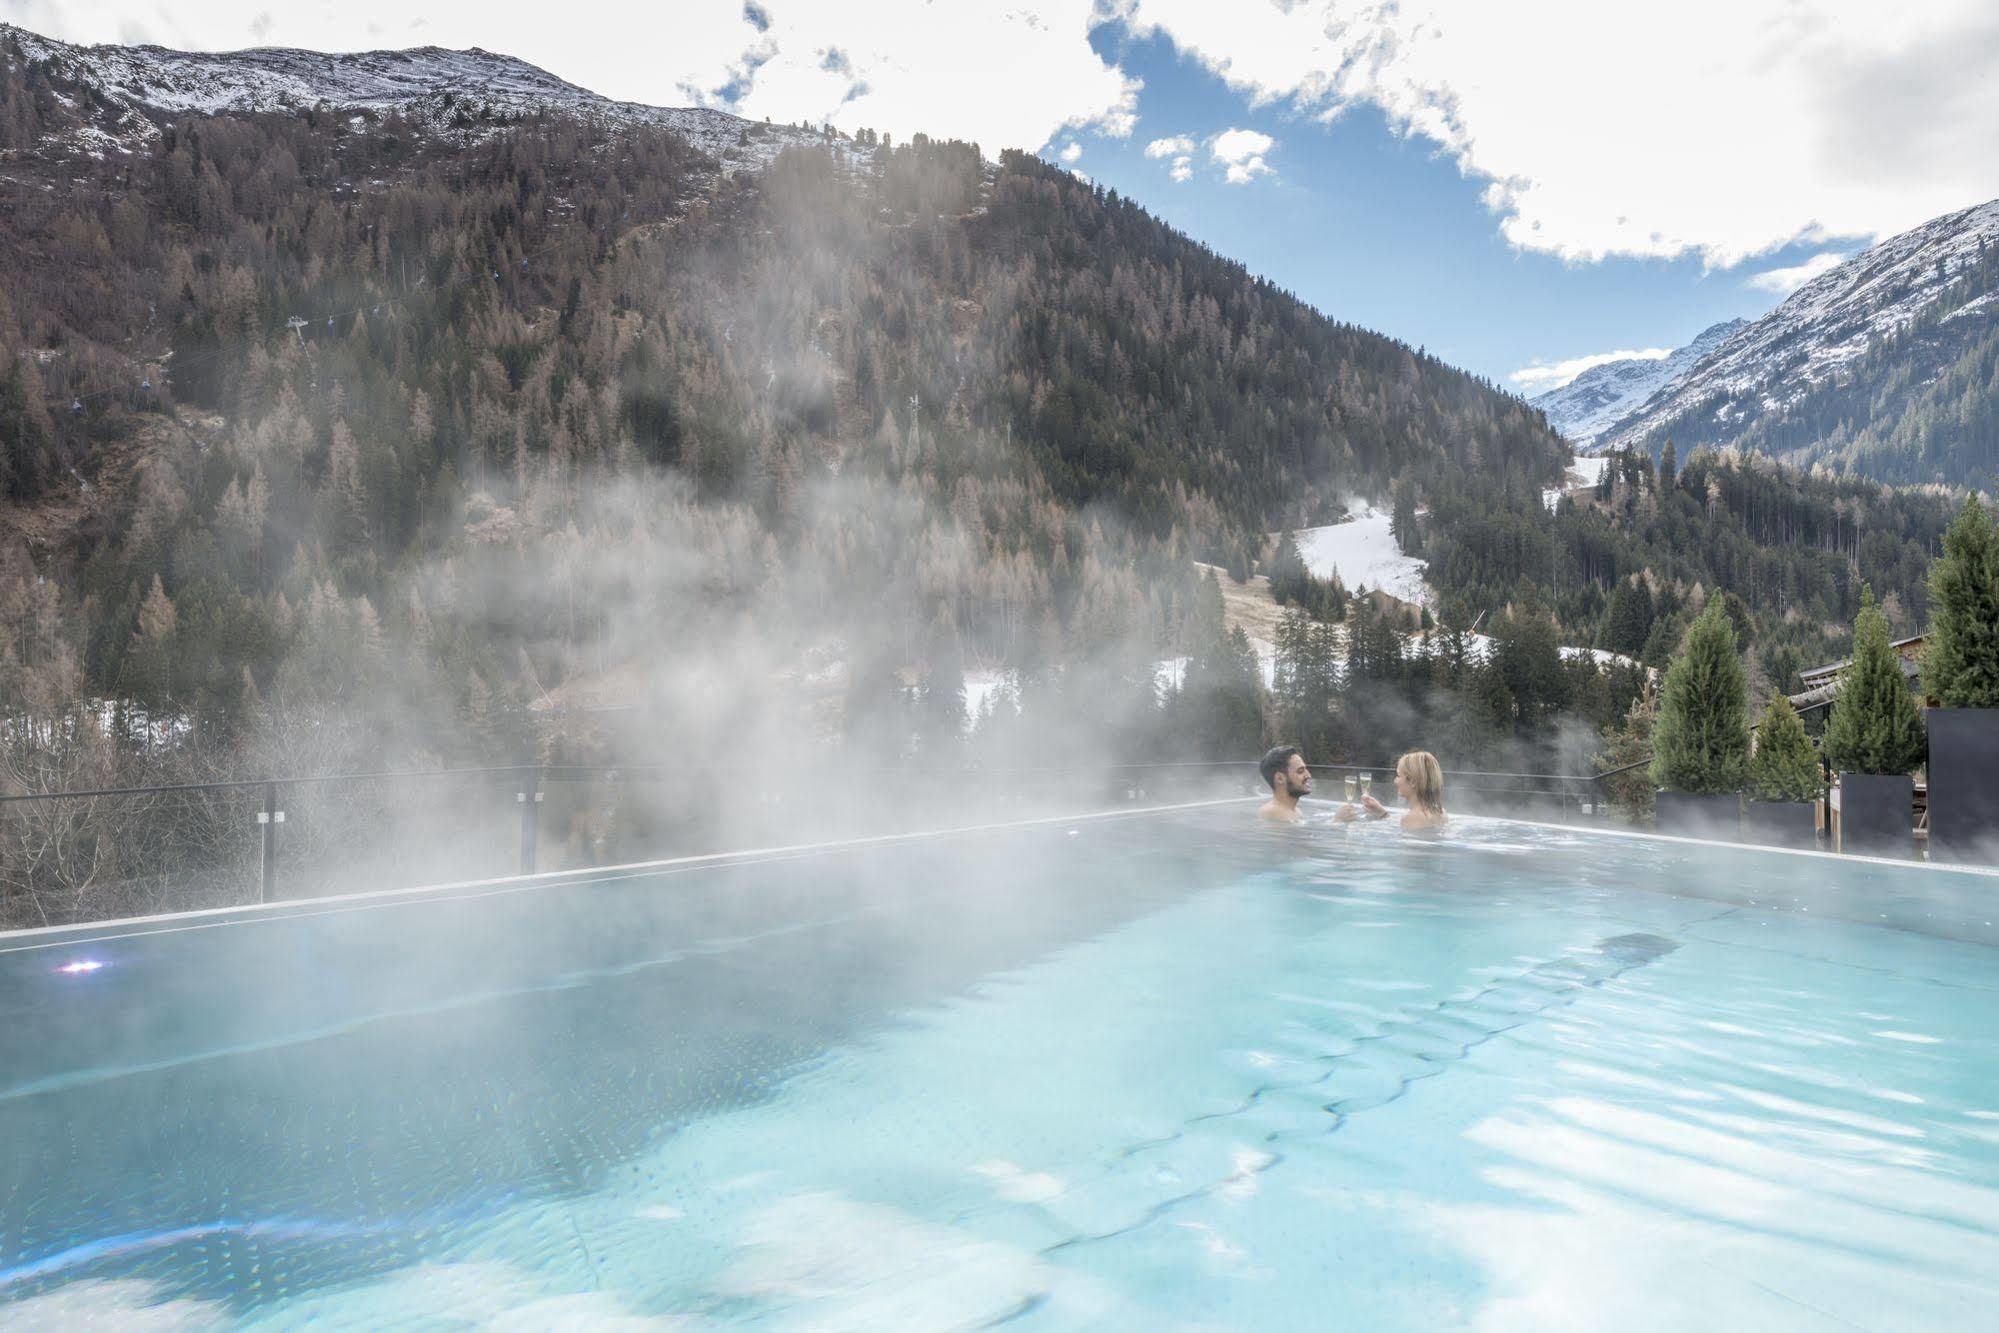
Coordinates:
(1155, 1071)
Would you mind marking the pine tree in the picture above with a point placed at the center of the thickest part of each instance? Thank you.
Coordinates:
(941, 711)
(1785, 766)
(1629, 619)
(1961, 659)
(1528, 657)
(1402, 520)
(1664, 640)
(1626, 745)
(1701, 742)
(1875, 725)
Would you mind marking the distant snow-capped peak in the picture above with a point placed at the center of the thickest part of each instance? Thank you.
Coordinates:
(1604, 394)
(1826, 325)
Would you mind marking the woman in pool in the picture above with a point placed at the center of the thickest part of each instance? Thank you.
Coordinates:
(1419, 781)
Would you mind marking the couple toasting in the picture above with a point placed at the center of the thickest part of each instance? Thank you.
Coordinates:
(1419, 781)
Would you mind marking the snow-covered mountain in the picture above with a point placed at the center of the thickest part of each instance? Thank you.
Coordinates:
(1603, 395)
(120, 96)
(1839, 371)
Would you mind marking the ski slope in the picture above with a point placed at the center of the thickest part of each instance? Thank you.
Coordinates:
(1364, 553)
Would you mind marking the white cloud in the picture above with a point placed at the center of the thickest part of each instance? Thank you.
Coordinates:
(1070, 153)
(1543, 376)
(1180, 148)
(1241, 152)
(1709, 127)
(1011, 77)
(1784, 281)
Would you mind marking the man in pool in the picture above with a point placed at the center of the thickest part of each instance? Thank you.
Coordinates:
(1284, 772)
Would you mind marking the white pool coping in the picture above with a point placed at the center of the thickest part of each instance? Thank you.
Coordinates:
(34, 938)
(208, 918)
(1843, 858)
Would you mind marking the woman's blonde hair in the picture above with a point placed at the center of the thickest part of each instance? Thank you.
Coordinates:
(1425, 776)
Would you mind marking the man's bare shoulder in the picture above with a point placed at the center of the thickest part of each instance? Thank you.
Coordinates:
(1278, 814)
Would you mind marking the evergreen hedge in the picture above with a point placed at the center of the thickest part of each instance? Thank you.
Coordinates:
(1701, 742)
(1876, 726)
(1961, 659)
(1786, 765)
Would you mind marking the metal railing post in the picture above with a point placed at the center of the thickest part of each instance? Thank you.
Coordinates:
(530, 802)
(268, 820)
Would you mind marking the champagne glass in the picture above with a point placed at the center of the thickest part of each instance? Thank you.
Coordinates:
(1366, 782)
(1351, 788)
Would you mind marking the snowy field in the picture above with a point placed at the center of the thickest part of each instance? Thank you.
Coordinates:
(980, 686)
(1168, 674)
(1587, 466)
(1363, 552)
(1481, 647)
(1172, 672)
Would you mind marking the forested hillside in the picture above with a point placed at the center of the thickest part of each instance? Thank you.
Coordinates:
(302, 405)
(1920, 407)
(1791, 548)
(334, 440)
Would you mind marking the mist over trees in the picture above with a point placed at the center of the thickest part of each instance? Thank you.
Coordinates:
(334, 443)
(316, 368)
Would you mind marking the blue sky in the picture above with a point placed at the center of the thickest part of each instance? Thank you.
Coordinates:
(1384, 230)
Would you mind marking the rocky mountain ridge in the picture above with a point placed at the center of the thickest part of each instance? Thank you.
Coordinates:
(1603, 395)
(1895, 338)
(121, 96)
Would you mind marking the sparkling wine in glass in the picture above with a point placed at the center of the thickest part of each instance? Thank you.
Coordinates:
(1366, 783)
(1352, 787)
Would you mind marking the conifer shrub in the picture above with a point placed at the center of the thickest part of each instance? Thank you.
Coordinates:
(1701, 742)
(1961, 658)
(1626, 743)
(1876, 726)
(1785, 766)
(1628, 621)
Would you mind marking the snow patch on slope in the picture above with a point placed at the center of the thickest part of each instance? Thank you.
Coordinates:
(1365, 554)
(1479, 647)
(1583, 474)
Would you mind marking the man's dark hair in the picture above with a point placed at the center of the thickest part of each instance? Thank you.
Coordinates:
(1274, 763)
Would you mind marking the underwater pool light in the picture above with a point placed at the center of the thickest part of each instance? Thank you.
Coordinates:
(80, 966)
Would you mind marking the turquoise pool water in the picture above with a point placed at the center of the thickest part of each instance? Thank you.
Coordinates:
(1165, 1071)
